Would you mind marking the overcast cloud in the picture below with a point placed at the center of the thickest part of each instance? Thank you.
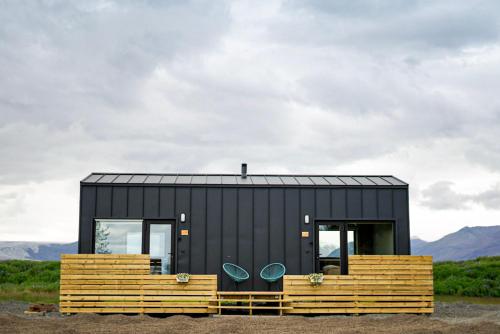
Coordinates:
(408, 88)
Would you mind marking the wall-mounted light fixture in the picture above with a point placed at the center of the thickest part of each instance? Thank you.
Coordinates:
(306, 219)
(183, 217)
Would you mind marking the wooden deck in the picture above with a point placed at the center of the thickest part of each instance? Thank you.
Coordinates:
(106, 283)
(102, 283)
(375, 284)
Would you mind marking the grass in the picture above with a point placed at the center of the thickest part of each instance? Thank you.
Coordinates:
(31, 281)
(38, 281)
(474, 278)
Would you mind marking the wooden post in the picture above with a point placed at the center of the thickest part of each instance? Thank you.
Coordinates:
(219, 302)
(250, 303)
(280, 297)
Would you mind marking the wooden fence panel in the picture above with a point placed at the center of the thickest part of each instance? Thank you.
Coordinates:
(375, 284)
(107, 283)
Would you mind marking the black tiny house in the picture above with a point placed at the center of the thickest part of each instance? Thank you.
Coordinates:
(196, 222)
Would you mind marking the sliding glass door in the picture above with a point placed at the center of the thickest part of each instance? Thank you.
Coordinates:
(336, 240)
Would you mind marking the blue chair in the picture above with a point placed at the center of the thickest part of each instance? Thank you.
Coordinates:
(236, 273)
(272, 272)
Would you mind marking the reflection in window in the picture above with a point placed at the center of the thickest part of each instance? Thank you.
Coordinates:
(329, 249)
(118, 237)
(160, 245)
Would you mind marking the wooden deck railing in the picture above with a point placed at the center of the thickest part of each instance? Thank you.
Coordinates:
(375, 284)
(105, 283)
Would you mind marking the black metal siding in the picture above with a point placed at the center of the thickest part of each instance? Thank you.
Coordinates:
(250, 226)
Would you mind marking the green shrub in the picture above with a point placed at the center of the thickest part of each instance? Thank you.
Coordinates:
(34, 281)
(474, 278)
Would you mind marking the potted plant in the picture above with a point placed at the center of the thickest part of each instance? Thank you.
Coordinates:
(316, 279)
(182, 277)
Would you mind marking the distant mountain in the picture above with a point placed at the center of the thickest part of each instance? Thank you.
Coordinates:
(417, 243)
(40, 251)
(465, 244)
(336, 251)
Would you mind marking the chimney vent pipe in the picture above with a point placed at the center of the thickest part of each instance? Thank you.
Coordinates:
(243, 170)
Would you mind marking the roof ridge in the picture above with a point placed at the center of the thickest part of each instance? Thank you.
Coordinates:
(364, 180)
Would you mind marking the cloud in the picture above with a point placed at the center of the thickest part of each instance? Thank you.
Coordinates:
(404, 88)
(441, 196)
(415, 26)
(490, 198)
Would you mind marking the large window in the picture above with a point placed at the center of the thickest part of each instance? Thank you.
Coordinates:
(118, 236)
(368, 238)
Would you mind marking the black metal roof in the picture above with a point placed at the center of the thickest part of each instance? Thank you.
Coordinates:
(236, 179)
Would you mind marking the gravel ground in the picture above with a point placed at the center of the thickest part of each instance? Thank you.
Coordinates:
(448, 318)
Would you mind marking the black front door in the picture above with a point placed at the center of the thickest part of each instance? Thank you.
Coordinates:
(159, 243)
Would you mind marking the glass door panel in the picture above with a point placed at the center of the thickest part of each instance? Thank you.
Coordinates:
(351, 242)
(329, 249)
(160, 247)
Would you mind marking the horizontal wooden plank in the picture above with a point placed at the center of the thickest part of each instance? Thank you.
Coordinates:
(180, 298)
(135, 310)
(362, 292)
(408, 310)
(139, 282)
(134, 304)
(244, 293)
(359, 287)
(120, 287)
(139, 276)
(137, 292)
(252, 307)
(390, 261)
(402, 267)
(104, 256)
(106, 261)
(247, 300)
(357, 297)
(390, 272)
(337, 283)
(105, 272)
(352, 276)
(92, 267)
(359, 304)
(390, 257)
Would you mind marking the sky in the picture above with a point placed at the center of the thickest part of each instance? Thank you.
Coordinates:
(407, 88)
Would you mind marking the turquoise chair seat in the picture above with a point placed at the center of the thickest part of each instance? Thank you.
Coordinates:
(272, 272)
(236, 273)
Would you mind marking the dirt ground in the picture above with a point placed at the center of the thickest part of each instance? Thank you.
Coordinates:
(448, 318)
